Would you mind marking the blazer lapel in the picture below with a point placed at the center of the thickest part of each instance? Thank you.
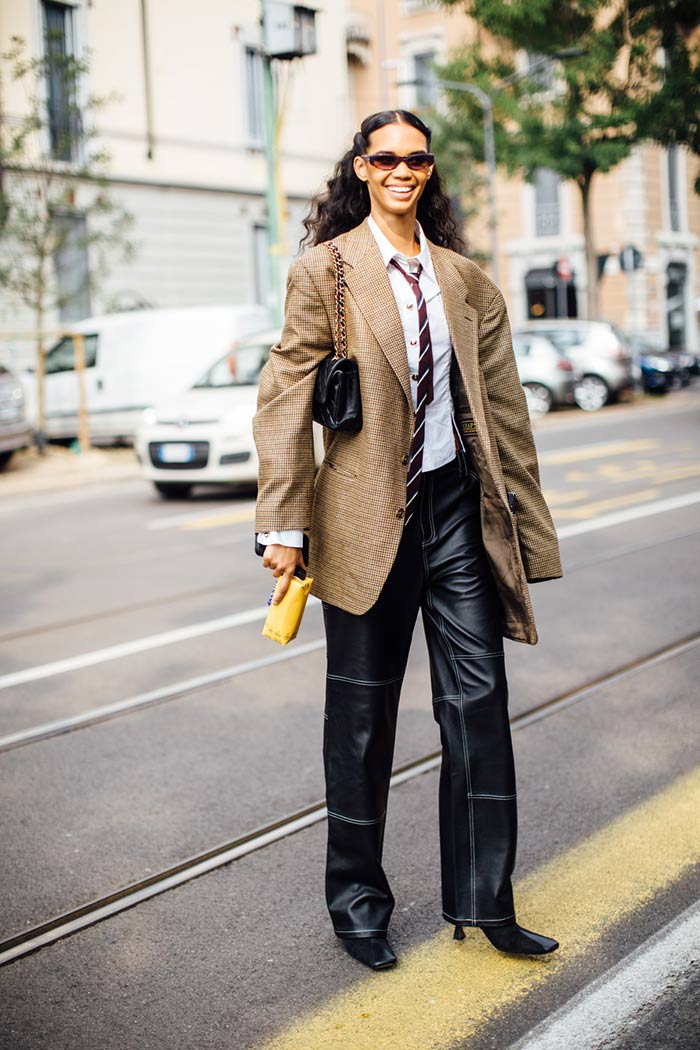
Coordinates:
(368, 282)
(463, 323)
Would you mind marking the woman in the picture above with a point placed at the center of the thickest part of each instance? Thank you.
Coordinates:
(434, 505)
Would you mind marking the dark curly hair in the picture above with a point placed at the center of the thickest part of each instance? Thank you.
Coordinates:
(345, 201)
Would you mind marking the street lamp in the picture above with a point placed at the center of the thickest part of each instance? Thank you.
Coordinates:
(486, 102)
(289, 32)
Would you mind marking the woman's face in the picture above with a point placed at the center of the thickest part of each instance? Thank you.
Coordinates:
(394, 192)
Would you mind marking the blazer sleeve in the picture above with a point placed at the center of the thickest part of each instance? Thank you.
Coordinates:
(282, 426)
(538, 539)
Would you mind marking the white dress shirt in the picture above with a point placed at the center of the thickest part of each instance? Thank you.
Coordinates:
(439, 447)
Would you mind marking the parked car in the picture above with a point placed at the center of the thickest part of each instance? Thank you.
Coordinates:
(547, 375)
(133, 360)
(15, 431)
(659, 373)
(662, 369)
(600, 354)
(204, 436)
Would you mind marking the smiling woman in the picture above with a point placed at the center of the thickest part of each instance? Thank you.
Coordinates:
(354, 187)
(414, 511)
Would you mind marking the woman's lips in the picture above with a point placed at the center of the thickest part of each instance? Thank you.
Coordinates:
(400, 191)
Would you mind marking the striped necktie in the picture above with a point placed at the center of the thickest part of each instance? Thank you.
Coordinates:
(424, 393)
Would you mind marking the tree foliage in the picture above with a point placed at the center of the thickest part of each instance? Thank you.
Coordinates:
(635, 77)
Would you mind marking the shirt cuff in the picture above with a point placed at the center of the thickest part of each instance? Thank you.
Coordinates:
(286, 537)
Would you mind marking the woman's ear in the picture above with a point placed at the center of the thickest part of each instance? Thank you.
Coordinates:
(360, 166)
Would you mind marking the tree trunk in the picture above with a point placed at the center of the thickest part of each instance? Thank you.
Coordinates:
(40, 409)
(591, 254)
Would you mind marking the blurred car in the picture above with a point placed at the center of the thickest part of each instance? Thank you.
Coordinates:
(662, 369)
(598, 351)
(204, 436)
(15, 431)
(547, 375)
(659, 372)
(132, 360)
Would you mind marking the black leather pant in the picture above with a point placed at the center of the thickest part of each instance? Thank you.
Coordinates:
(441, 568)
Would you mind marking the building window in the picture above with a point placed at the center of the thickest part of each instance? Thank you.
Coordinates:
(254, 95)
(426, 80)
(71, 266)
(61, 88)
(546, 203)
(674, 204)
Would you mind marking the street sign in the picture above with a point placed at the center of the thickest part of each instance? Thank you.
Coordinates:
(563, 270)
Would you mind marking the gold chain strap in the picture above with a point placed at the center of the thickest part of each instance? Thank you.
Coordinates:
(341, 348)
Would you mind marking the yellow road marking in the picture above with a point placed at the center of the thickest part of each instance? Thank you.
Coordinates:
(555, 497)
(445, 991)
(234, 518)
(679, 473)
(609, 448)
(592, 510)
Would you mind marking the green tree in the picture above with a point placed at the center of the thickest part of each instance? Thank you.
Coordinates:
(52, 173)
(584, 116)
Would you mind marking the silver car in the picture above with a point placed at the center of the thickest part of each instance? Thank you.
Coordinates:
(600, 354)
(15, 431)
(547, 375)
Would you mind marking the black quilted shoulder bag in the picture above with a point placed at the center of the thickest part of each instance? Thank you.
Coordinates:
(337, 403)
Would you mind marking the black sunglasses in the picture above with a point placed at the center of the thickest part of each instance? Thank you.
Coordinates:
(389, 161)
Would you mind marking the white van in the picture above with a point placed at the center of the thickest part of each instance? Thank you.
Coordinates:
(133, 360)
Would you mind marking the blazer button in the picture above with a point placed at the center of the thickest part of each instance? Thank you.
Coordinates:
(399, 512)
(404, 460)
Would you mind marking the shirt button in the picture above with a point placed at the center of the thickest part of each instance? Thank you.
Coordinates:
(414, 376)
(404, 460)
(409, 306)
(414, 342)
(399, 512)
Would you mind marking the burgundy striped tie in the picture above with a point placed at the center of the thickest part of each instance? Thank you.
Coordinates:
(424, 393)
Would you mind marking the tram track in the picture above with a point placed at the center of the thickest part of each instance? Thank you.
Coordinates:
(190, 686)
(126, 897)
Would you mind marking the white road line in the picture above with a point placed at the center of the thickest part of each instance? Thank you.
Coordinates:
(642, 510)
(610, 1007)
(154, 696)
(156, 641)
(174, 521)
(138, 645)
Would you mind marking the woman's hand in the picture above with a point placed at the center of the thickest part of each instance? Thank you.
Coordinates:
(282, 561)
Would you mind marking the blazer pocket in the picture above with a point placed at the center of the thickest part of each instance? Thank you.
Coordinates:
(342, 472)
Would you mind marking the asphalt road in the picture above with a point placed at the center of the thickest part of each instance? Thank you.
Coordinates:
(114, 594)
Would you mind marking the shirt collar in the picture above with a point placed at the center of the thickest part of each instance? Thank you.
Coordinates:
(389, 252)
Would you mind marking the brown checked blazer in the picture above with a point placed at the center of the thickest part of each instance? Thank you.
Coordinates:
(353, 509)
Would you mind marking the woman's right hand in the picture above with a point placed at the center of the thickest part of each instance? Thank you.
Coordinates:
(282, 561)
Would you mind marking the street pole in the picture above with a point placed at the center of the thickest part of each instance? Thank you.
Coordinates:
(489, 156)
(272, 189)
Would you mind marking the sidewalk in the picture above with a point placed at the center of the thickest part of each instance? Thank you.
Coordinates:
(60, 468)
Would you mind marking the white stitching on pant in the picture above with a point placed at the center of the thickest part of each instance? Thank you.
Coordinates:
(465, 747)
(361, 931)
(464, 922)
(480, 656)
(500, 798)
(361, 681)
(351, 820)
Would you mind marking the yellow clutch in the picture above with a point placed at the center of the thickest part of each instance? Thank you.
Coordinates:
(282, 623)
